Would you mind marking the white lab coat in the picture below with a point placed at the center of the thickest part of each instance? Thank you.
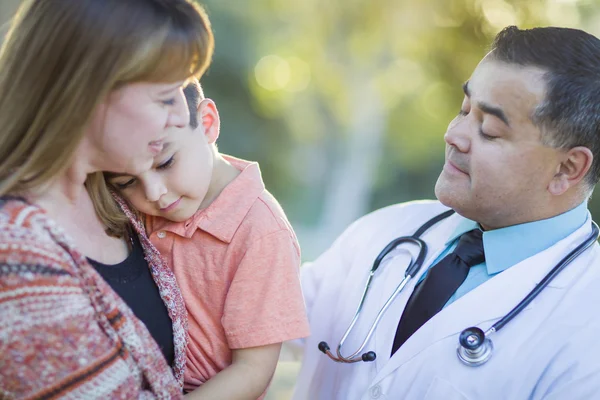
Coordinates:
(549, 351)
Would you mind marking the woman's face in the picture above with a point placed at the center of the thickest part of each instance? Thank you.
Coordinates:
(129, 128)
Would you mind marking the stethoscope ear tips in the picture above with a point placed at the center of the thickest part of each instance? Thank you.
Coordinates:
(369, 356)
(323, 347)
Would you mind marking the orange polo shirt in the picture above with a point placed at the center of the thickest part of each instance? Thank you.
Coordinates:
(237, 264)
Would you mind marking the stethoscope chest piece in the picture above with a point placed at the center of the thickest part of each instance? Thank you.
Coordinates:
(474, 347)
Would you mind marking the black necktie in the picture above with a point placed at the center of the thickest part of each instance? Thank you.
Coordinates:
(442, 280)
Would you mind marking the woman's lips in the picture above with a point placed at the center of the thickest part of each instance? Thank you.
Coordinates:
(156, 146)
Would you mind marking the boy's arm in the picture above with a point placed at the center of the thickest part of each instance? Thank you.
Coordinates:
(264, 302)
(246, 378)
(264, 305)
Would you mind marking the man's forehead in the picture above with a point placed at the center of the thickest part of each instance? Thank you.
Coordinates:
(515, 89)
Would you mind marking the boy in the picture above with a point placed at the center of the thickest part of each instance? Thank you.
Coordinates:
(233, 252)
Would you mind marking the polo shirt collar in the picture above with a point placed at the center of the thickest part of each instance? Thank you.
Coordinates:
(224, 215)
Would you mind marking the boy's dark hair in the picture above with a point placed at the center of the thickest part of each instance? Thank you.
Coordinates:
(193, 95)
(569, 116)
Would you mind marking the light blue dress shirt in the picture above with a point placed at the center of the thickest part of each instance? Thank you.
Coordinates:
(508, 246)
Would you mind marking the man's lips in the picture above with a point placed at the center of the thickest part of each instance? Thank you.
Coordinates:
(453, 168)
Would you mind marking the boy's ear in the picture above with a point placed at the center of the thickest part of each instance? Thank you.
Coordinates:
(208, 117)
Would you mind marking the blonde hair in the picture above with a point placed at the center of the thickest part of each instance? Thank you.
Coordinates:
(107, 209)
(60, 59)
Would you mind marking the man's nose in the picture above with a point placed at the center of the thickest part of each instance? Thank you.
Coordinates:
(458, 134)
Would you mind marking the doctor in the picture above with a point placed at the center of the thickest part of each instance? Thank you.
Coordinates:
(522, 159)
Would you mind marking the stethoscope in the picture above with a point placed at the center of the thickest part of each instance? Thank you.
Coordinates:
(474, 345)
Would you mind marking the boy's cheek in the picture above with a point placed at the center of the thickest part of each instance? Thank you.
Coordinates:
(136, 200)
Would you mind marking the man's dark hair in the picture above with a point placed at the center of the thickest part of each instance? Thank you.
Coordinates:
(569, 116)
(193, 95)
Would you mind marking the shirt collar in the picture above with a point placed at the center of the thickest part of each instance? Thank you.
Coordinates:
(508, 246)
(225, 214)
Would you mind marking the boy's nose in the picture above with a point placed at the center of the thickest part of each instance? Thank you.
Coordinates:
(155, 192)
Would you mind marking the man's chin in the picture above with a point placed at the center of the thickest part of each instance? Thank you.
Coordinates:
(449, 194)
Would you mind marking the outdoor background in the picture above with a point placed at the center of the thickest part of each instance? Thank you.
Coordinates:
(344, 103)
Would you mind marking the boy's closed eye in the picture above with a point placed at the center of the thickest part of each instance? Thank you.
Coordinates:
(166, 164)
(125, 182)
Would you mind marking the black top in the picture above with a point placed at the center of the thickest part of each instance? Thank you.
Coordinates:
(132, 280)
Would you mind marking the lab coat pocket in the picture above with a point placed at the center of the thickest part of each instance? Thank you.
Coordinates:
(443, 390)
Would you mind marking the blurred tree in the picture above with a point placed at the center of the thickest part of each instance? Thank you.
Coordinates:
(344, 103)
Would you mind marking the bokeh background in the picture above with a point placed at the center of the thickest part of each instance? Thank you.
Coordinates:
(344, 103)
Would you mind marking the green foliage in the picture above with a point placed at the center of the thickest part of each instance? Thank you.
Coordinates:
(290, 76)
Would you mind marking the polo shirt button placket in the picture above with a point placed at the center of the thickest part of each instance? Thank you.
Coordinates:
(161, 234)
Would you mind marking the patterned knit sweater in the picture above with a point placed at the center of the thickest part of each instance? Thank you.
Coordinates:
(63, 332)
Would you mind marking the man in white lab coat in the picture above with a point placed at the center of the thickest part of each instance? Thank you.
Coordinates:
(522, 159)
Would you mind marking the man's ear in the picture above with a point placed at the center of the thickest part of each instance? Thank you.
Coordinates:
(208, 116)
(571, 171)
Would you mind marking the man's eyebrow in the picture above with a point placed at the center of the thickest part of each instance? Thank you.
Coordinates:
(495, 111)
(486, 108)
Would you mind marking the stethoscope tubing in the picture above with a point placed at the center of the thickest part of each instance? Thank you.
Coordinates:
(377, 318)
(412, 270)
(593, 237)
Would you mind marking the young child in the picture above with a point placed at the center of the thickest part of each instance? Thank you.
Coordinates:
(233, 252)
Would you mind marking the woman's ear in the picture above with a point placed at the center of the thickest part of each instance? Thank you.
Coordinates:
(208, 117)
(571, 171)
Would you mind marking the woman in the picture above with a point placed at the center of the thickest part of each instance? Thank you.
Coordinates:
(87, 85)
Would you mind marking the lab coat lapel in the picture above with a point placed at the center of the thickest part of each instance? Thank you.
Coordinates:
(395, 268)
(488, 302)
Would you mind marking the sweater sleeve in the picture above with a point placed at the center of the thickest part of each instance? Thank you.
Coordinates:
(53, 341)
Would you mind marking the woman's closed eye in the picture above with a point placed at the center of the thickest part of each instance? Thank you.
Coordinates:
(124, 185)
